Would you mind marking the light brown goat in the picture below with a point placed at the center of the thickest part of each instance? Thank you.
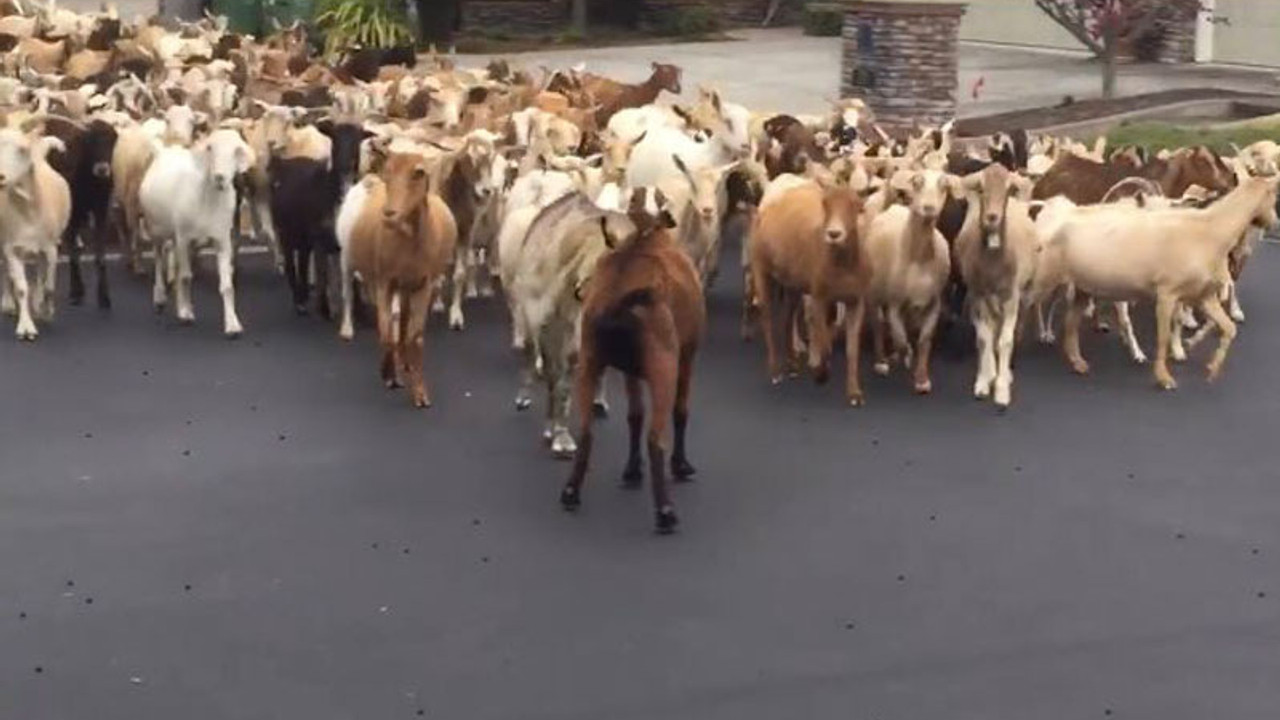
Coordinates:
(806, 241)
(402, 240)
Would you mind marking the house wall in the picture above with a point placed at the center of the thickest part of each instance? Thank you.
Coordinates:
(1251, 35)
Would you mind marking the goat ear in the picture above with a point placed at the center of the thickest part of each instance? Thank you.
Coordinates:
(666, 219)
(684, 169)
(609, 240)
(1025, 187)
(244, 159)
(969, 183)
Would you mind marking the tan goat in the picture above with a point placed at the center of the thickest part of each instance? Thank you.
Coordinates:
(910, 264)
(996, 251)
(1174, 255)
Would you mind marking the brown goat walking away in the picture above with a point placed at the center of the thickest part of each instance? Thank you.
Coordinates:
(400, 246)
(644, 314)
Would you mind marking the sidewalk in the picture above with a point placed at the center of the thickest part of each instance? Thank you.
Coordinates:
(782, 69)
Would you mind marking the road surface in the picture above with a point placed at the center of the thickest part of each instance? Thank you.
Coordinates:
(197, 528)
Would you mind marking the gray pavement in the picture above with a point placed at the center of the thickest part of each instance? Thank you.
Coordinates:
(197, 528)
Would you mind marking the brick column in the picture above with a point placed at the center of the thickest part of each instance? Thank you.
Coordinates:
(901, 58)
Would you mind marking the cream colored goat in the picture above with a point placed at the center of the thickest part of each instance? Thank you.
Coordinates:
(909, 265)
(1174, 255)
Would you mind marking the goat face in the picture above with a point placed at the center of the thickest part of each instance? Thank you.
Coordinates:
(273, 126)
(649, 209)
(1265, 216)
(668, 77)
(346, 138)
(99, 144)
(927, 190)
(226, 155)
(407, 179)
(479, 163)
(15, 157)
(991, 189)
(841, 208)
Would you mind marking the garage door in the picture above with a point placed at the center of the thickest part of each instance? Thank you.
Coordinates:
(1016, 23)
(1253, 35)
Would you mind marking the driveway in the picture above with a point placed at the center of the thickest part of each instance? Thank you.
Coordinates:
(202, 529)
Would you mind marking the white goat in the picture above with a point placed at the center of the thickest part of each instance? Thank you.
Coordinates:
(188, 199)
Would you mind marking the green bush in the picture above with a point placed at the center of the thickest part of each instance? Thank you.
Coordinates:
(693, 20)
(823, 19)
(348, 24)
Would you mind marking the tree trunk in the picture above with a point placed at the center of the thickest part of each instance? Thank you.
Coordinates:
(580, 17)
(1110, 51)
(1109, 74)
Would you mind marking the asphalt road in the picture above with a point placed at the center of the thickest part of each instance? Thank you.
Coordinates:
(195, 528)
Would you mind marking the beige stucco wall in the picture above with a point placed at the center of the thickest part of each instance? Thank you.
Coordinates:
(1017, 22)
(1253, 35)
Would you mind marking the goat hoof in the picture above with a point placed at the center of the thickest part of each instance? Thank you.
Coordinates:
(391, 383)
(1213, 372)
(857, 400)
(666, 520)
(563, 447)
(104, 303)
(1048, 338)
(600, 409)
(981, 391)
(1080, 367)
(301, 310)
(570, 500)
(775, 380)
(923, 387)
(682, 470)
(186, 321)
(881, 368)
(633, 476)
(421, 402)
(77, 300)
(523, 403)
(820, 375)
(1140, 359)
(233, 334)
(1167, 383)
(346, 334)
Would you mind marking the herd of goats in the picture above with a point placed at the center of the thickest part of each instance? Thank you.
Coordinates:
(598, 211)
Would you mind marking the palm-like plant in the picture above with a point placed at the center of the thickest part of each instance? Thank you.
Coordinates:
(349, 24)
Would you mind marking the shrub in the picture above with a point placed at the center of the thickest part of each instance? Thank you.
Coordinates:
(823, 19)
(349, 24)
(692, 20)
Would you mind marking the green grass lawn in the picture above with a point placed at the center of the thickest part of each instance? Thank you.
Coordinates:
(1156, 136)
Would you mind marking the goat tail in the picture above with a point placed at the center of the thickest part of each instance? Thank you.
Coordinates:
(618, 332)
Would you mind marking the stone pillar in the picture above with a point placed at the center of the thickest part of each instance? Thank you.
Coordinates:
(901, 58)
